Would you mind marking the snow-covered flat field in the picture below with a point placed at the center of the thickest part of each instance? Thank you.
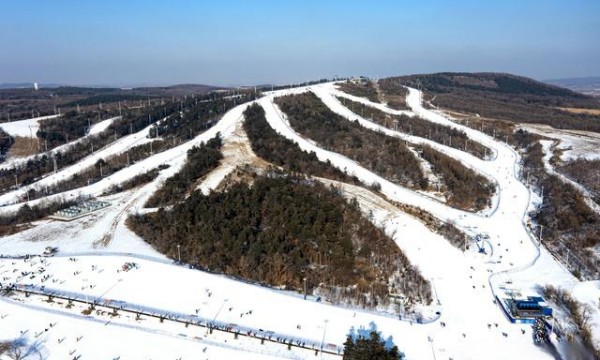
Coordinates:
(463, 322)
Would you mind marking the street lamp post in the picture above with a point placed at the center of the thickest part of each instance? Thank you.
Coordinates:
(432, 349)
(323, 339)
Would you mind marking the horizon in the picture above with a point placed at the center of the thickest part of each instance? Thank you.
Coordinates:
(265, 42)
(24, 85)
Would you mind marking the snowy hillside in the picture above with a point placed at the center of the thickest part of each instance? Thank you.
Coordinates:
(107, 289)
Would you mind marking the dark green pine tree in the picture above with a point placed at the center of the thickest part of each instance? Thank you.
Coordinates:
(372, 348)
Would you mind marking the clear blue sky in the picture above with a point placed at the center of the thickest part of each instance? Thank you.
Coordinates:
(279, 41)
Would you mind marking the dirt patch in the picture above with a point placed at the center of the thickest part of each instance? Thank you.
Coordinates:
(581, 111)
(24, 146)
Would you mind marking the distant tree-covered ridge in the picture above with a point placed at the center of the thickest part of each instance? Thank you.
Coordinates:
(507, 97)
(282, 229)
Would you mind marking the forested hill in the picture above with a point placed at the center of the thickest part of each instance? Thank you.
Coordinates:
(489, 82)
(507, 97)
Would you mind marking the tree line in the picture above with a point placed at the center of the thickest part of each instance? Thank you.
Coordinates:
(466, 189)
(280, 230)
(508, 97)
(200, 161)
(363, 88)
(276, 149)
(384, 155)
(441, 134)
(568, 224)
(394, 94)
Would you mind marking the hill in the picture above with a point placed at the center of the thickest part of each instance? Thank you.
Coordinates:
(509, 97)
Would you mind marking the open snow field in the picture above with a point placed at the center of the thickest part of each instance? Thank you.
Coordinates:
(463, 322)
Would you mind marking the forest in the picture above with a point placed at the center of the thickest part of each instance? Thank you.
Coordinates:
(466, 189)
(507, 97)
(5, 143)
(393, 94)
(199, 113)
(102, 168)
(68, 127)
(363, 88)
(200, 161)
(281, 229)
(386, 156)
(441, 134)
(585, 172)
(569, 225)
(372, 347)
(276, 149)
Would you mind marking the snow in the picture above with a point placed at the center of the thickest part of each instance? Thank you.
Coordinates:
(464, 283)
(25, 128)
(102, 125)
(548, 147)
(575, 143)
(13, 161)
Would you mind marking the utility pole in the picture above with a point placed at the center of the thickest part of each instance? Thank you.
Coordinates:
(304, 280)
(430, 339)
(540, 236)
(127, 159)
(179, 252)
(323, 339)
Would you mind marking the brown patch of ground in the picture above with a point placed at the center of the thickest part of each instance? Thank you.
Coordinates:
(581, 111)
(24, 146)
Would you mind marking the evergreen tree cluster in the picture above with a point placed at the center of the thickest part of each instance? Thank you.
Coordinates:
(70, 125)
(280, 230)
(387, 156)
(369, 348)
(276, 149)
(442, 134)
(200, 161)
(466, 189)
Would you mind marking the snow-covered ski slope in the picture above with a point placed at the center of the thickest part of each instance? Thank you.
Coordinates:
(25, 128)
(94, 249)
(96, 129)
